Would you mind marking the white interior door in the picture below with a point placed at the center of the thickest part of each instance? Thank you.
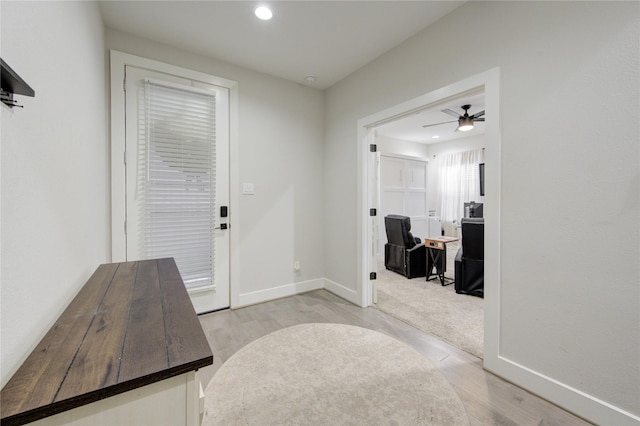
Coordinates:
(416, 196)
(403, 190)
(391, 195)
(177, 179)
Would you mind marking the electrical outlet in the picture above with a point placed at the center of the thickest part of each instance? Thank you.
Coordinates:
(296, 266)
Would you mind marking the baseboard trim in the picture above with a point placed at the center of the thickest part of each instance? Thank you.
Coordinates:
(342, 291)
(260, 296)
(292, 289)
(571, 399)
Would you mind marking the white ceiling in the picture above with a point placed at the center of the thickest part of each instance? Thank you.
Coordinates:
(409, 128)
(327, 39)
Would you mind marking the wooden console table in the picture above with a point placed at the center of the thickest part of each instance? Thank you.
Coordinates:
(125, 351)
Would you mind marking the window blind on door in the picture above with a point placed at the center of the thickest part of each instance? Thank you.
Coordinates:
(177, 180)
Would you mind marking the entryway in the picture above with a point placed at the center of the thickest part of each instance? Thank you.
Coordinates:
(487, 83)
(171, 127)
(412, 186)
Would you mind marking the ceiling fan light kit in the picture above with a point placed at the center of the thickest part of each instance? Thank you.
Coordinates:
(465, 122)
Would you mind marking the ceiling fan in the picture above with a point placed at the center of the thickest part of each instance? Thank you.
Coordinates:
(465, 122)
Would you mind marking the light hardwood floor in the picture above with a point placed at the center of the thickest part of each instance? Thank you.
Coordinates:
(488, 399)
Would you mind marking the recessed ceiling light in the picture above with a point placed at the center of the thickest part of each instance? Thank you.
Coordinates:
(435, 137)
(264, 13)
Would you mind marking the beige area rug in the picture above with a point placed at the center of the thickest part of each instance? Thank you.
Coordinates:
(330, 374)
(457, 319)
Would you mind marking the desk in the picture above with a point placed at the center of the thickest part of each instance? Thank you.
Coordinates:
(125, 351)
(437, 257)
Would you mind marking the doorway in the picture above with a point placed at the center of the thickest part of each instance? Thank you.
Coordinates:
(489, 83)
(177, 180)
(170, 194)
(426, 304)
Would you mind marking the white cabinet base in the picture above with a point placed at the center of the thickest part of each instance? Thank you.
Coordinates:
(174, 401)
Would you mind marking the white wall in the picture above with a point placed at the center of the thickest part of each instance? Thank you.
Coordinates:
(55, 211)
(391, 146)
(280, 152)
(569, 308)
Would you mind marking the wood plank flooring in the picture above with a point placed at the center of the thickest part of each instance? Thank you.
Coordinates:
(488, 399)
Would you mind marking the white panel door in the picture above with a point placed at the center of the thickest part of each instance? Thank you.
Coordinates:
(416, 197)
(403, 190)
(417, 179)
(416, 208)
(391, 194)
(392, 174)
(177, 179)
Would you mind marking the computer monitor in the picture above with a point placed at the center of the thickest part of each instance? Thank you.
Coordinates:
(473, 209)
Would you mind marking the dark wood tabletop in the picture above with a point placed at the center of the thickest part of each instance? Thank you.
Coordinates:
(132, 324)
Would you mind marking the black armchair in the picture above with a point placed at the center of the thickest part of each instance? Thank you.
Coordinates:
(403, 253)
(469, 263)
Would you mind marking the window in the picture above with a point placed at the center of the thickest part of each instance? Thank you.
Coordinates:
(459, 182)
(176, 179)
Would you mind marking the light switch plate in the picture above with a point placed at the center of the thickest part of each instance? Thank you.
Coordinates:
(247, 188)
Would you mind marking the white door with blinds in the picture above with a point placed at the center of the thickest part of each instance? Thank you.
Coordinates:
(177, 179)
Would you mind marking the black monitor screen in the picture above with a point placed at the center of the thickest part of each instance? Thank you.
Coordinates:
(473, 209)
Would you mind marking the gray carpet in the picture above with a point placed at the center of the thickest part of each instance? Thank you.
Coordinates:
(330, 374)
(455, 318)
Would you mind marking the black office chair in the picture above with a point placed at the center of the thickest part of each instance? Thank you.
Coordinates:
(469, 264)
(403, 253)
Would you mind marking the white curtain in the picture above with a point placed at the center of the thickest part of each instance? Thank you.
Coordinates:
(459, 177)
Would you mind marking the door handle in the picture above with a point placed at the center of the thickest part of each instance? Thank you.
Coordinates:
(222, 226)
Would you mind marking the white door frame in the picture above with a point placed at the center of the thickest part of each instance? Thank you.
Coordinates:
(118, 238)
(490, 81)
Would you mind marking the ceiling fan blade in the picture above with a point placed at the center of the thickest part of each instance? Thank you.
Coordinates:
(452, 113)
(478, 114)
(437, 124)
(478, 119)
